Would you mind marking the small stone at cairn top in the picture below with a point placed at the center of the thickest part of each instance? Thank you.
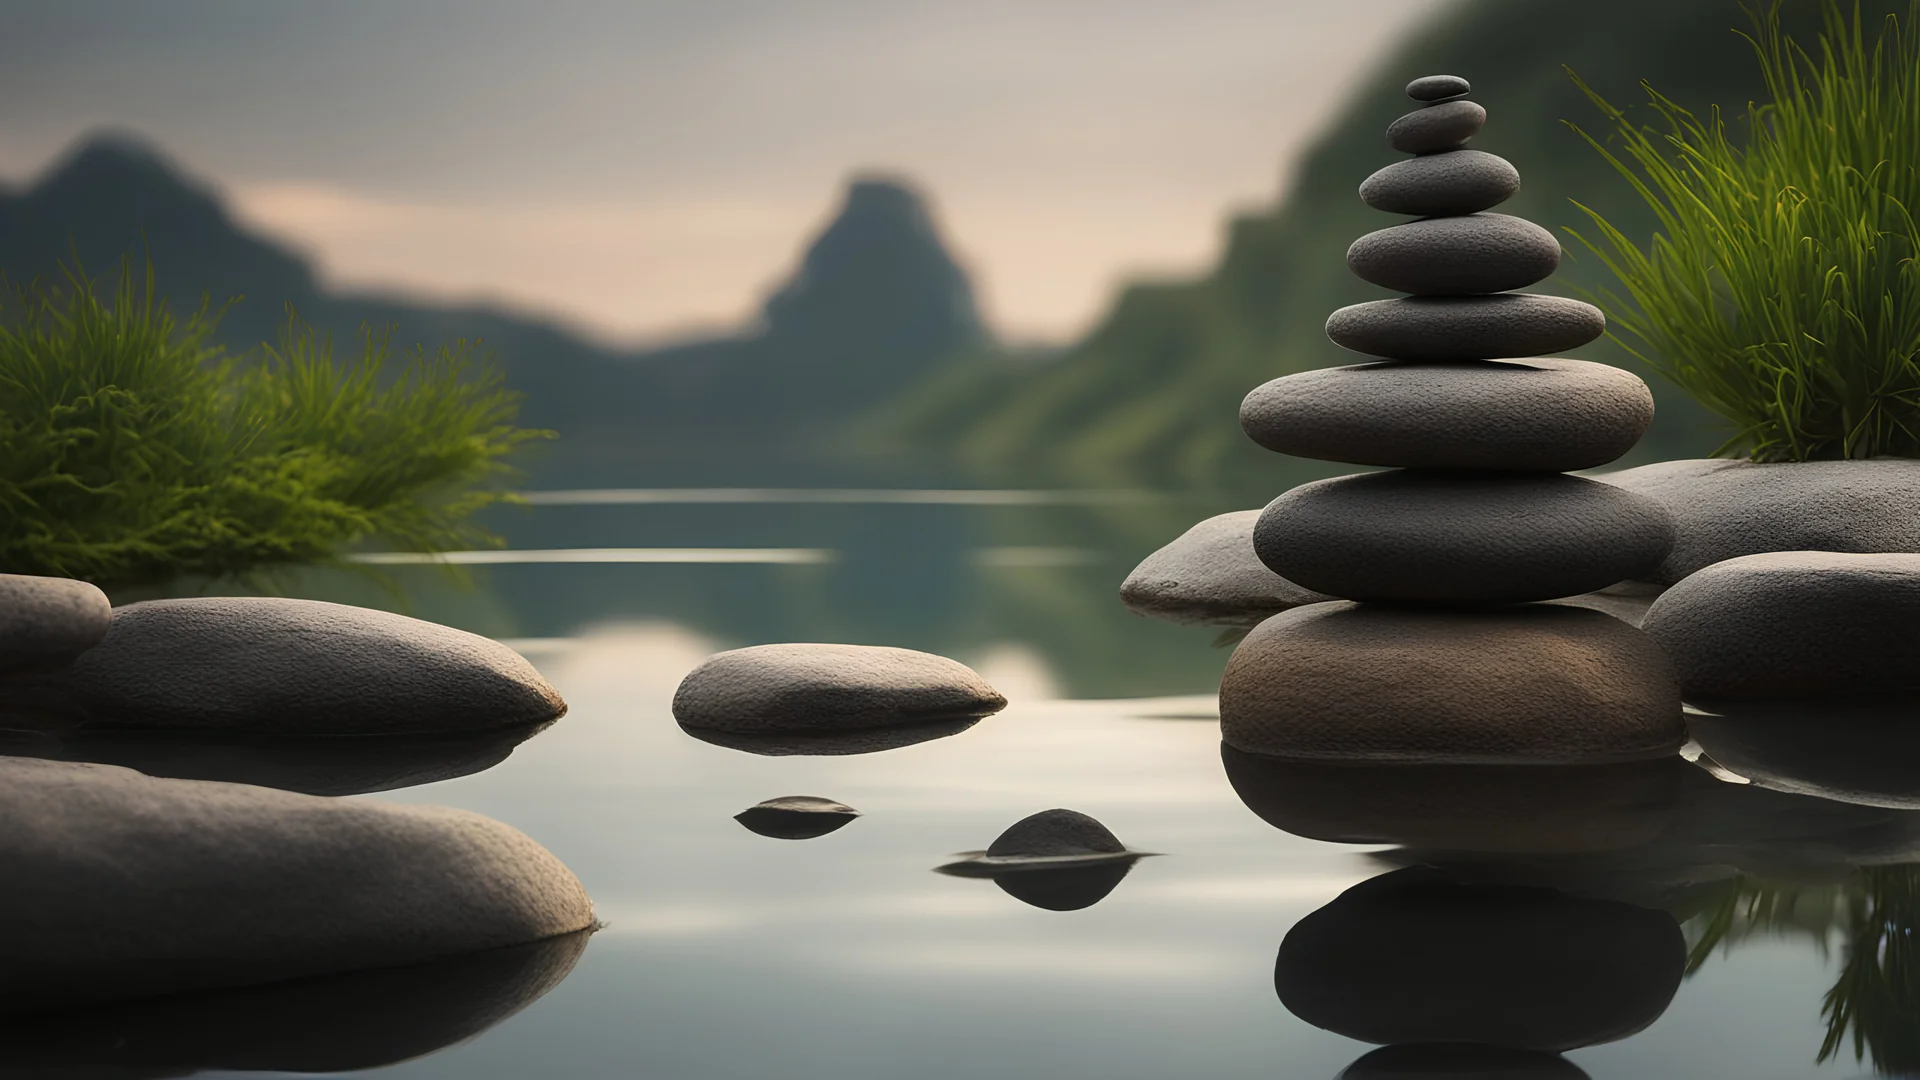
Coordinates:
(1438, 87)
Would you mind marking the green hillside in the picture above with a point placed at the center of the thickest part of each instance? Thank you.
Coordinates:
(1151, 395)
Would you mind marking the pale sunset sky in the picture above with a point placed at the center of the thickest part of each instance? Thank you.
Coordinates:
(646, 169)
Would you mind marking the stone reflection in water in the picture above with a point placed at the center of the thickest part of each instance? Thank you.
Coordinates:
(309, 764)
(1416, 956)
(833, 743)
(1464, 808)
(1864, 751)
(331, 1024)
(1460, 1061)
(796, 817)
(1060, 860)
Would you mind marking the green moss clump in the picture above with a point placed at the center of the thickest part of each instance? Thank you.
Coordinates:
(132, 452)
(1782, 289)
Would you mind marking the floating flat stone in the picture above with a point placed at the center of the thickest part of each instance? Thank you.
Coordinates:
(812, 687)
(1209, 574)
(1060, 860)
(259, 886)
(1460, 538)
(46, 620)
(1469, 255)
(1416, 957)
(1501, 809)
(1446, 328)
(1541, 415)
(1438, 87)
(1432, 185)
(1794, 623)
(1724, 509)
(274, 665)
(1540, 684)
(796, 817)
(1437, 128)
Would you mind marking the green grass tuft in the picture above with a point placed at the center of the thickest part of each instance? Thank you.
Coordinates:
(132, 452)
(1781, 290)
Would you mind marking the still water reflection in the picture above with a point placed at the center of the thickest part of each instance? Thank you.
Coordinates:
(1611, 922)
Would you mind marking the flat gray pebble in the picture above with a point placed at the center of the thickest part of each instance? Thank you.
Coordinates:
(1437, 128)
(809, 687)
(1450, 328)
(1438, 87)
(1433, 185)
(1469, 255)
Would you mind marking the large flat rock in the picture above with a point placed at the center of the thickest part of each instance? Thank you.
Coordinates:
(1456, 256)
(122, 885)
(1441, 329)
(809, 687)
(1433, 537)
(1542, 684)
(1794, 623)
(274, 665)
(1723, 509)
(1209, 574)
(1545, 415)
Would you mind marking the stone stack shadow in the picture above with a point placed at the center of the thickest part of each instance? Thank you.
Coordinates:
(1444, 652)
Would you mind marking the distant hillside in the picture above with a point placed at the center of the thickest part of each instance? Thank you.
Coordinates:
(875, 305)
(1152, 393)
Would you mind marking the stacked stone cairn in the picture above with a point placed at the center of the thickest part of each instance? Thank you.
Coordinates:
(1443, 652)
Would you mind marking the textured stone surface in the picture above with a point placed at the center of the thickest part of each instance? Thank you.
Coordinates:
(1456, 256)
(121, 885)
(1436, 537)
(46, 620)
(1438, 87)
(1724, 509)
(1791, 623)
(1457, 182)
(1370, 683)
(1546, 415)
(1413, 957)
(1209, 574)
(796, 817)
(1460, 1061)
(1494, 809)
(329, 1024)
(1449, 328)
(1445, 126)
(269, 664)
(1051, 833)
(1858, 751)
(812, 687)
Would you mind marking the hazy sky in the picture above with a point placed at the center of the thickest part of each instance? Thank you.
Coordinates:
(647, 167)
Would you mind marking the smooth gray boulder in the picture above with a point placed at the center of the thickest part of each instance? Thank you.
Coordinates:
(1209, 574)
(1417, 957)
(1723, 509)
(46, 620)
(1794, 623)
(1542, 415)
(1537, 683)
(1438, 87)
(1466, 255)
(1460, 538)
(808, 687)
(1433, 185)
(274, 665)
(1436, 128)
(1442, 329)
(122, 885)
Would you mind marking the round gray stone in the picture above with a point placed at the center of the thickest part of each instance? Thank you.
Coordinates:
(1543, 415)
(269, 664)
(1364, 683)
(1416, 957)
(1793, 623)
(813, 687)
(1460, 538)
(1445, 328)
(1209, 574)
(1055, 833)
(1724, 509)
(1470, 255)
(46, 620)
(1438, 87)
(1433, 185)
(122, 885)
(1437, 128)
